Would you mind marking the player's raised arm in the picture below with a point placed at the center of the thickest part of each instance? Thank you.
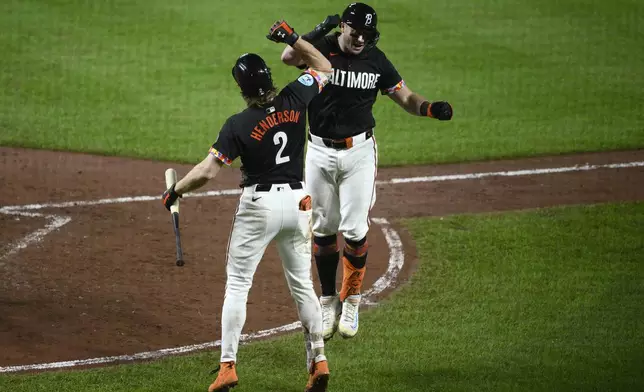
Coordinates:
(282, 32)
(312, 56)
(291, 57)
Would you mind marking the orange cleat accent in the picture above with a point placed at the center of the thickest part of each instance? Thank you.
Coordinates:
(226, 379)
(351, 279)
(318, 377)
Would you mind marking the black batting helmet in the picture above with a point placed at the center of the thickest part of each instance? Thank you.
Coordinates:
(252, 75)
(363, 18)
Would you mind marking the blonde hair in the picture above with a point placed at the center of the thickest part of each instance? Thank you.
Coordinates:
(261, 101)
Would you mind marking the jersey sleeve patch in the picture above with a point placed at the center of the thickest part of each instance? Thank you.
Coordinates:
(306, 79)
(213, 151)
(395, 88)
(321, 78)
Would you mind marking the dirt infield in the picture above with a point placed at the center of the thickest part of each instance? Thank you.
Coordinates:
(97, 278)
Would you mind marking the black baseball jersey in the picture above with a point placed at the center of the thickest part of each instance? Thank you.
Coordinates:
(344, 108)
(270, 140)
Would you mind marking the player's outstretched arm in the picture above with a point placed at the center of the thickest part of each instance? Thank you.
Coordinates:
(282, 32)
(416, 104)
(197, 177)
(203, 172)
(291, 57)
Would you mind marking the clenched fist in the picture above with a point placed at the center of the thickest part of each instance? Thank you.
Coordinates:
(169, 197)
(322, 28)
(440, 110)
(331, 22)
(282, 32)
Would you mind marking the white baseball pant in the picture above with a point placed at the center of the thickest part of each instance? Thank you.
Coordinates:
(260, 218)
(342, 187)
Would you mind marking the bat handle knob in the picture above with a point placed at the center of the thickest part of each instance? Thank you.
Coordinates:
(180, 263)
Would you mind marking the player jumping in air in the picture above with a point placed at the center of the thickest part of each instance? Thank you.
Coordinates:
(341, 160)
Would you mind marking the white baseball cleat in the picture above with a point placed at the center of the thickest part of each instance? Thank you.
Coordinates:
(348, 326)
(331, 310)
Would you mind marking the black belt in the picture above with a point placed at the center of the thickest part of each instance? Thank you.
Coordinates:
(342, 144)
(268, 187)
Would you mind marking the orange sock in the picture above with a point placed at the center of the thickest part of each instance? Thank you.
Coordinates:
(351, 279)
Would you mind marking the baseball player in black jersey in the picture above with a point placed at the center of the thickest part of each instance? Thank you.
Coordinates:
(341, 161)
(269, 136)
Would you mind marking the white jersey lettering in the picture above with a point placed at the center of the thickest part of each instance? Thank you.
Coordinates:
(365, 80)
(375, 82)
(372, 77)
(357, 80)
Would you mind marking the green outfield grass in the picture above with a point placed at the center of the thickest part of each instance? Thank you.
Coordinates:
(152, 78)
(546, 300)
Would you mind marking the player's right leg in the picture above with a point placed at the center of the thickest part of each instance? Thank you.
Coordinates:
(357, 195)
(321, 172)
(294, 247)
(253, 228)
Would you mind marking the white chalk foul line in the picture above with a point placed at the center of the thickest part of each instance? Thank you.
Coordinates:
(396, 259)
(407, 180)
(396, 262)
(514, 173)
(55, 222)
(146, 354)
(117, 200)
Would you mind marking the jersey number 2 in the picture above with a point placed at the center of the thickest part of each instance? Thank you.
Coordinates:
(280, 138)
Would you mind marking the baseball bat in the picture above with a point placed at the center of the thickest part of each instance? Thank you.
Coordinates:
(171, 178)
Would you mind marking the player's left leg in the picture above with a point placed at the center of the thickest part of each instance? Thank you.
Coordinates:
(294, 247)
(357, 196)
